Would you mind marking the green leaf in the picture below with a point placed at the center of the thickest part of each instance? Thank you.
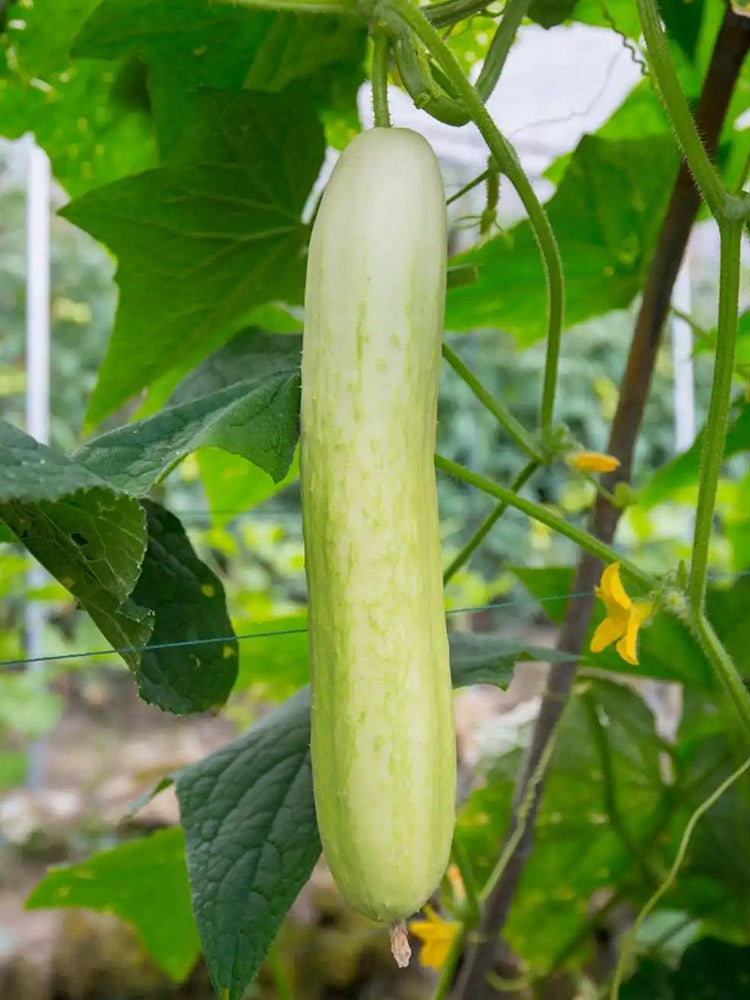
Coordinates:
(135, 880)
(605, 213)
(605, 764)
(619, 15)
(489, 658)
(548, 13)
(727, 609)
(683, 19)
(682, 472)
(709, 970)
(90, 137)
(206, 238)
(263, 352)
(251, 840)
(130, 566)
(713, 970)
(42, 33)
(233, 487)
(652, 981)
(187, 601)
(188, 45)
(714, 878)
(89, 536)
(276, 655)
(550, 586)
(250, 829)
(257, 419)
(249, 354)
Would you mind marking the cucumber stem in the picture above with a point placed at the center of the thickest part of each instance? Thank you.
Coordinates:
(380, 52)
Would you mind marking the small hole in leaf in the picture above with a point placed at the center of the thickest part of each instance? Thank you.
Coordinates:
(79, 539)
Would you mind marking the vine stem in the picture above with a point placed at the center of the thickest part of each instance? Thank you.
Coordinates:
(489, 522)
(539, 513)
(716, 423)
(506, 159)
(442, 15)
(380, 51)
(514, 13)
(504, 417)
(706, 177)
(468, 187)
(722, 666)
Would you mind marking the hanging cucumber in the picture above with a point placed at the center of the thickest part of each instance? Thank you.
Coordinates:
(383, 743)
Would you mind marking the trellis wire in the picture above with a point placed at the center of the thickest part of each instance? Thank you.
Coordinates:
(184, 643)
(280, 633)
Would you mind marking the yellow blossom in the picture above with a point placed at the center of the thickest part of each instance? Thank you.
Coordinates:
(624, 618)
(437, 936)
(593, 461)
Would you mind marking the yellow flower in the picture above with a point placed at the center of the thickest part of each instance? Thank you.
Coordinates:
(437, 936)
(624, 618)
(593, 461)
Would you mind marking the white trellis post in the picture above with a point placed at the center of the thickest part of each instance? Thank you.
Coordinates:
(682, 363)
(37, 383)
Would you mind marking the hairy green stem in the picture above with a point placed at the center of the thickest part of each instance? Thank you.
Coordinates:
(539, 513)
(514, 13)
(380, 51)
(442, 15)
(416, 76)
(489, 522)
(504, 417)
(722, 666)
(475, 182)
(436, 95)
(714, 435)
(705, 174)
(506, 159)
(487, 220)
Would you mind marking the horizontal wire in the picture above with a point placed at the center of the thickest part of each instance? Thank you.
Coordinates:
(182, 643)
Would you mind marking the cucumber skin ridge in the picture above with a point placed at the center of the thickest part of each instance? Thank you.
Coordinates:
(383, 739)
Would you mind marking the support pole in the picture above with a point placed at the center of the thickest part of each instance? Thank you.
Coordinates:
(37, 389)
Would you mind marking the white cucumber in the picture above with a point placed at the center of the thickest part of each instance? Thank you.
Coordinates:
(383, 742)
